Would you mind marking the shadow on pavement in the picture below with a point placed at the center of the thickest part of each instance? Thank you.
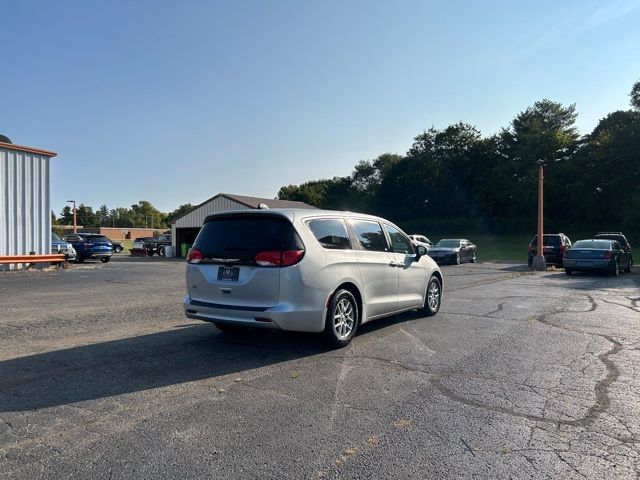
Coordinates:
(185, 353)
(140, 363)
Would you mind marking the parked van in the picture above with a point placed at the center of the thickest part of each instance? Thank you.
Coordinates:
(306, 271)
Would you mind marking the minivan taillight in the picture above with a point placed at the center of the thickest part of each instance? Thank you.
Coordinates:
(279, 258)
(194, 255)
(607, 255)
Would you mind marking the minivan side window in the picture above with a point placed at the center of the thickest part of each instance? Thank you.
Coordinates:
(399, 242)
(370, 235)
(331, 233)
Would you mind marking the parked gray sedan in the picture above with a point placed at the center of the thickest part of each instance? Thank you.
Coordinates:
(306, 270)
(454, 250)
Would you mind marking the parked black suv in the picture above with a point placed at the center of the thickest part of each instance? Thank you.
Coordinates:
(618, 237)
(553, 247)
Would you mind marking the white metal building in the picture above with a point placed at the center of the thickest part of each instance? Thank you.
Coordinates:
(25, 209)
(184, 229)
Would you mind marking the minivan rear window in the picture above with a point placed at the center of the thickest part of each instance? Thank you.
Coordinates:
(241, 237)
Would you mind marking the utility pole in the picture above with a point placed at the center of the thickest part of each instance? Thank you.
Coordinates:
(539, 262)
(75, 213)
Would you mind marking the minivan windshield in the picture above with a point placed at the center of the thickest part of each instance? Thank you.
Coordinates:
(55, 237)
(243, 236)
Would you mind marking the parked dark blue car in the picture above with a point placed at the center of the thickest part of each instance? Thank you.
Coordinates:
(596, 254)
(90, 245)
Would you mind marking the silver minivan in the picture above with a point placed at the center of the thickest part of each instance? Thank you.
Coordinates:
(306, 271)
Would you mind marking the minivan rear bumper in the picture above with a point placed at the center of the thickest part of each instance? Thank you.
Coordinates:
(280, 317)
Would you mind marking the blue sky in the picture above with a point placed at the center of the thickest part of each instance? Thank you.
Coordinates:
(173, 102)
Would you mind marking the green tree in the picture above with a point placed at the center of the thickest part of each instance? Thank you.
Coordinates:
(179, 212)
(605, 176)
(144, 214)
(544, 132)
(86, 217)
(66, 216)
(635, 95)
(102, 215)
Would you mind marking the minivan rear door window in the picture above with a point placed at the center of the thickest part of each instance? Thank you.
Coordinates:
(370, 235)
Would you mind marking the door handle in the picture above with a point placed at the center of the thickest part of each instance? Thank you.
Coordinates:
(396, 264)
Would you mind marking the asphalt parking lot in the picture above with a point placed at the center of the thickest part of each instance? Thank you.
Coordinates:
(520, 375)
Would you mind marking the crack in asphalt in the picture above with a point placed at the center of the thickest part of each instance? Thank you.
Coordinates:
(633, 307)
(601, 388)
(490, 280)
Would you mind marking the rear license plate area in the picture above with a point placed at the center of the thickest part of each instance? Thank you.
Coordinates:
(229, 274)
(585, 264)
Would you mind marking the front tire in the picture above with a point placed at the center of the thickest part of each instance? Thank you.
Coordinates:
(342, 319)
(474, 257)
(457, 259)
(161, 251)
(568, 271)
(105, 259)
(432, 298)
(150, 253)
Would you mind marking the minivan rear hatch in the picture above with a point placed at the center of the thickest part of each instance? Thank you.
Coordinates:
(232, 271)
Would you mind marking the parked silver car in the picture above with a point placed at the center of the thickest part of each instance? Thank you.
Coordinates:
(421, 240)
(307, 271)
(62, 247)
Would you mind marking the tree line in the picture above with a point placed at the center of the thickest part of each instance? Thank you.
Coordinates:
(141, 214)
(457, 180)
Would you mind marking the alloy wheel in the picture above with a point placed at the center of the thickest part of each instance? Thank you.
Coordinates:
(433, 296)
(343, 318)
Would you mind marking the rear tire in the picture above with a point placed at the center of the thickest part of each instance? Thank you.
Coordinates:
(616, 269)
(432, 298)
(457, 259)
(628, 269)
(79, 258)
(568, 271)
(161, 251)
(105, 259)
(229, 328)
(150, 253)
(474, 257)
(342, 319)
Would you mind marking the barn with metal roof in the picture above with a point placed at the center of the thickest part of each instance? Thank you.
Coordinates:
(185, 228)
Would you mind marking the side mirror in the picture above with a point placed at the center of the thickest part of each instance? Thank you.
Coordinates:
(420, 251)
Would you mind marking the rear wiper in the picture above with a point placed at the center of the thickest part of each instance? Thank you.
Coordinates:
(238, 249)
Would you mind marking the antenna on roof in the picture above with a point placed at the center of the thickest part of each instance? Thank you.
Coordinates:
(263, 206)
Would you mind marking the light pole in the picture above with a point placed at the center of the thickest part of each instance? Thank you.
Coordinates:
(539, 263)
(75, 221)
